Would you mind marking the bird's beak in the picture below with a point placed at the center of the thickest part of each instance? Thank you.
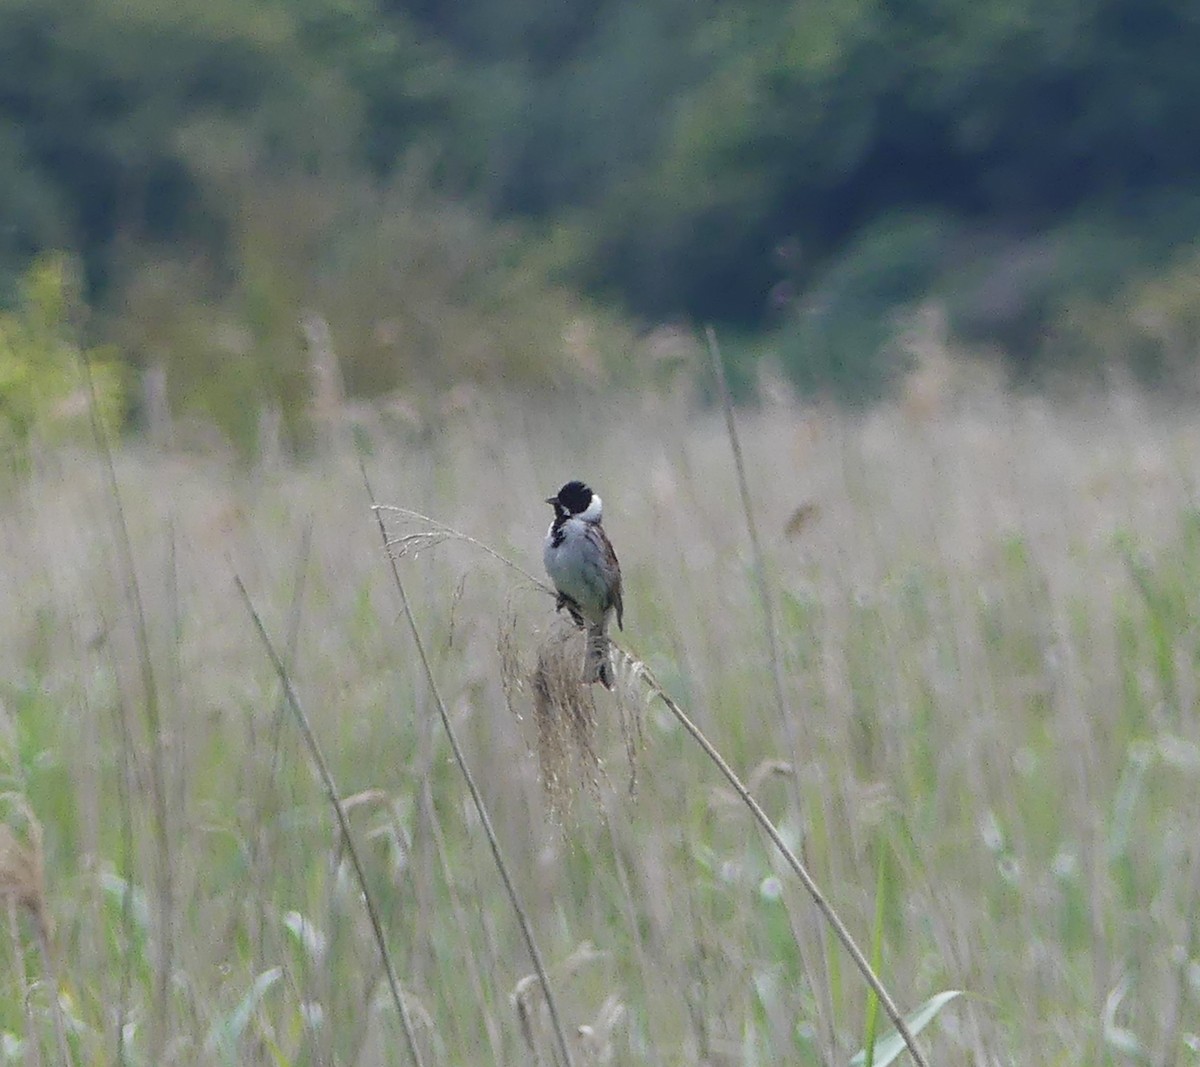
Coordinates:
(552, 500)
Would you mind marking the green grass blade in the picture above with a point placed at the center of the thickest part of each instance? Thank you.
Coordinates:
(226, 1033)
(891, 1046)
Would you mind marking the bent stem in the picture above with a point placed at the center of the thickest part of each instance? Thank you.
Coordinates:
(442, 531)
(476, 797)
(331, 793)
(814, 891)
(152, 712)
(770, 631)
(640, 668)
(756, 550)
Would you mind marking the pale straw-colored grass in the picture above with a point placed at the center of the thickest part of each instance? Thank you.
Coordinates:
(984, 627)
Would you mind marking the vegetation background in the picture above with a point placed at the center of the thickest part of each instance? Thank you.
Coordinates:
(453, 186)
(952, 251)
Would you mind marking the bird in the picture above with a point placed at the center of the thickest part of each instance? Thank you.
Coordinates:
(587, 577)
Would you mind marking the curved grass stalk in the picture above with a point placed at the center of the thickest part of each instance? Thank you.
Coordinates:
(476, 796)
(334, 798)
(793, 861)
(814, 891)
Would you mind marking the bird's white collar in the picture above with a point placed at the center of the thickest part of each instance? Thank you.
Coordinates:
(593, 511)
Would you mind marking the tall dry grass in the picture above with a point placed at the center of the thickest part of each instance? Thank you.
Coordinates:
(985, 624)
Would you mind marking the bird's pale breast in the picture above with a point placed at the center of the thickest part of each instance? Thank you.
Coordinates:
(576, 566)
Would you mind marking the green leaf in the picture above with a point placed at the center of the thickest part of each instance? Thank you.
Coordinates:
(225, 1033)
(118, 888)
(893, 1045)
(1118, 1037)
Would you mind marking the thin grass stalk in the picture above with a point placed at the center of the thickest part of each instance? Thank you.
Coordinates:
(1172, 1037)
(870, 1024)
(295, 613)
(760, 564)
(460, 917)
(477, 798)
(174, 667)
(128, 858)
(152, 714)
(258, 832)
(823, 905)
(451, 533)
(635, 933)
(33, 1054)
(51, 973)
(790, 732)
(126, 835)
(801, 872)
(334, 798)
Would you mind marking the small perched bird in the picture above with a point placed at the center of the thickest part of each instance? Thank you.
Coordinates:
(583, 567)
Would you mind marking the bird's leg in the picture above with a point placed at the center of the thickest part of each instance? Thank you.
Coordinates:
(564, 601)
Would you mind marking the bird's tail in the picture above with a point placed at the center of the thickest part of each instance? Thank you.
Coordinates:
(598, 665)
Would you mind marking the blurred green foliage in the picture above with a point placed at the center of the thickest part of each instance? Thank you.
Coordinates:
(660, 155)
(840, 336)
(1150, 325)
(44, 390)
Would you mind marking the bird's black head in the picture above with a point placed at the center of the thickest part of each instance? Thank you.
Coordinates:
(573, 498)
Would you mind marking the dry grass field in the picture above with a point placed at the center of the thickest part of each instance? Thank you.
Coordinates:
(987, 636)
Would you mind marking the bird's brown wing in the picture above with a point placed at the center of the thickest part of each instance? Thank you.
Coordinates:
(614, 599)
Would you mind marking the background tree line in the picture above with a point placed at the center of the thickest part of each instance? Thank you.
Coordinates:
(452, 182)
